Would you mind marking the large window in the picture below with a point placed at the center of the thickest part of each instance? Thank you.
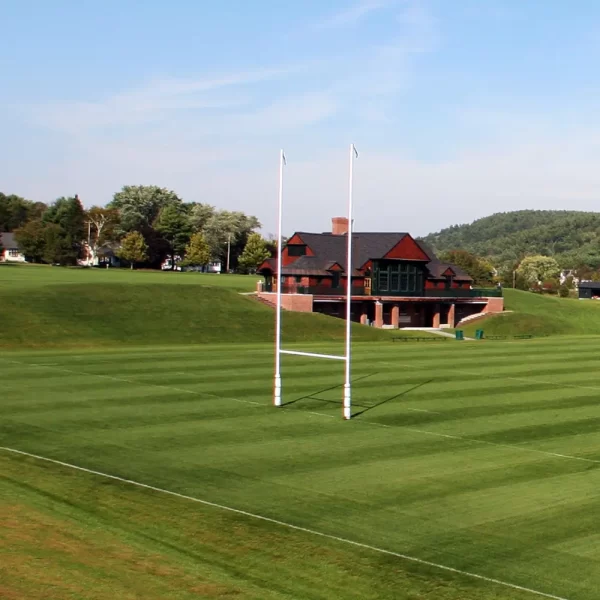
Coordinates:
(335, 280)
(400, 278)
(296, 250)
(384, 281)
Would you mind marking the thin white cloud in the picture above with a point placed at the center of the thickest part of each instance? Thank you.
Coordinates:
(352, 15)
(155, 101)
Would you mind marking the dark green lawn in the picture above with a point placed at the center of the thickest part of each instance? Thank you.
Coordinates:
(480, 457)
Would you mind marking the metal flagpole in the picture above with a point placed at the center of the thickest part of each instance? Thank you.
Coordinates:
(347, 390)
(277, 383)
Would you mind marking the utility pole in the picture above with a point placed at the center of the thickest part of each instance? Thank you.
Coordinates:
(228, 252)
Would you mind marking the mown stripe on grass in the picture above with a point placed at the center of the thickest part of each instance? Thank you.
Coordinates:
(290, 525)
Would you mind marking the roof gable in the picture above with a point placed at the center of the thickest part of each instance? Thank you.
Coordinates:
(407, 249)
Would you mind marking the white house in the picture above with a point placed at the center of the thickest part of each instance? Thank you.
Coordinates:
(11, 252)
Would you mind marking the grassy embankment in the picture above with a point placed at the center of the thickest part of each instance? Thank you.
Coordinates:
(541, 316)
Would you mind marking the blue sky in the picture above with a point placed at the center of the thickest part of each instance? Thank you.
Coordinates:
(458, 109)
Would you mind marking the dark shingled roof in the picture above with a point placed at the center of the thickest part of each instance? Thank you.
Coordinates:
(365, 246)
(330, 249)
(437, 268)
(7, 241)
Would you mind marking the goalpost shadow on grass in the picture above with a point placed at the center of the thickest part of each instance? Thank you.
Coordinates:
(371, 407)
(312, 395)
(365, 407)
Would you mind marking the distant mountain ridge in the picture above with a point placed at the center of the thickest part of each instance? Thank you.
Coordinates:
(572, 237)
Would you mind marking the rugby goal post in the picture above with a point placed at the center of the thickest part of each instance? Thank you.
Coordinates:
(279, 351)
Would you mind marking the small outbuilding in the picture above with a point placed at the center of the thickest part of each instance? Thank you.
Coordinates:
(589, 290)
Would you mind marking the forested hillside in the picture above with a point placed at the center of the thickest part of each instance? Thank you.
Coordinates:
(572, 237)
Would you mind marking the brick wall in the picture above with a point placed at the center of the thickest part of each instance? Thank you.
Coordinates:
(494, 305)
(294, 302)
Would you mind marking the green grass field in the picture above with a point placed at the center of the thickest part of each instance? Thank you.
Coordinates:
(24, 277)
(479, 457)
(53, 307)
(541, 315)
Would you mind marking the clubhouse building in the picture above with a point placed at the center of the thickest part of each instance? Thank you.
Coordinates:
(396, 281)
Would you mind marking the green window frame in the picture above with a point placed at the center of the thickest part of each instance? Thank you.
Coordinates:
(399, 278)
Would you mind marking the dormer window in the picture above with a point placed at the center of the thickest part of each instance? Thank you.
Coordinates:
(296, 250)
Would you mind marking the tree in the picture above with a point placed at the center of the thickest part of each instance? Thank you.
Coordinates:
(102, 223)
(68, 214)
(133, 248)
(226, 228)
(200, 215)
(140, 205)
(255, 253)
(31, 240)
(197, 252)
(15, 211)
(478, 268)
(564, 291)
(174, 226)
(536, 269)
(57, 247)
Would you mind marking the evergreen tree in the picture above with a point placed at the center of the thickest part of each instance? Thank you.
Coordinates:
(133, 248)
(69, 216)
(255, 253)
(57, 246)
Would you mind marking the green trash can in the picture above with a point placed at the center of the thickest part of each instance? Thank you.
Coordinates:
(460, 335)
(479, 334)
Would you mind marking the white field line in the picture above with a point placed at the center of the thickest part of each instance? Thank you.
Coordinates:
(289, 525)
(414, 429)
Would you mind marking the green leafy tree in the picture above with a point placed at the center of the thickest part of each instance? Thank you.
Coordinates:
(478, 268)
(174, 226)
(535, 269)
(255, 253)
(197, 252)
(31, 240)
(229, 229)
(140, 205)
(15, 211)
(133, 248)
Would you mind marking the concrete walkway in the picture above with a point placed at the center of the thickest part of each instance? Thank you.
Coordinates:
(435, 331)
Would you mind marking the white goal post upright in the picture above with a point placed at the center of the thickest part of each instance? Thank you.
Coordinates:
(347, 398)
(347, 384)
(277, 390)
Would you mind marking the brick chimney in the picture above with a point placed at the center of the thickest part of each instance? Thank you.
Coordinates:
(339, 225)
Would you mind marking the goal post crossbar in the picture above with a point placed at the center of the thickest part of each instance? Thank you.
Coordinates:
(314, 355)
(347, 402)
